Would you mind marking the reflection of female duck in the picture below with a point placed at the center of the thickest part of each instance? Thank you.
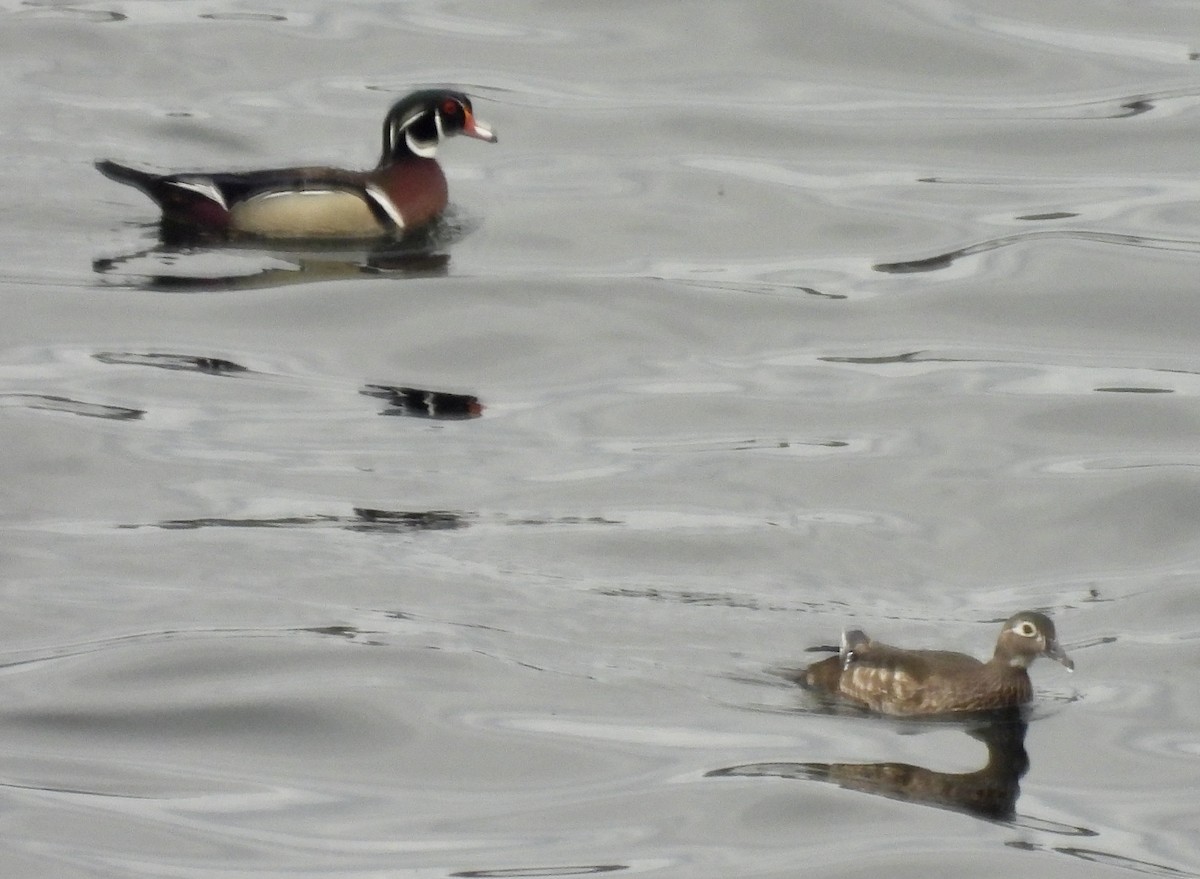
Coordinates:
(892, 680)
(990, 792)
(406, 190)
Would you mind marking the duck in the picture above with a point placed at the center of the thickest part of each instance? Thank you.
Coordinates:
(896, 681)
(405, 191)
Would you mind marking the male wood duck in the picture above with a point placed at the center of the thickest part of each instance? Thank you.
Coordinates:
(406, 190)
(891, 680)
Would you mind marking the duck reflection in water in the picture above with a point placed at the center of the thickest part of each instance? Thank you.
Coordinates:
(990, 792)
(198, 264)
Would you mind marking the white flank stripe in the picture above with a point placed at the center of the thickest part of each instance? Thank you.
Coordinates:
(389, 207)
(288, 193)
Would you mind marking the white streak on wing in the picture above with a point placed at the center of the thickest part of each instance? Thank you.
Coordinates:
(389, 207)
(205, 188)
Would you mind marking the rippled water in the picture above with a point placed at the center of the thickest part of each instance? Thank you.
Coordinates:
(761, 319)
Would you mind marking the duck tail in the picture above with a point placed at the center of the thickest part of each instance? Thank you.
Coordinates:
(143, 180)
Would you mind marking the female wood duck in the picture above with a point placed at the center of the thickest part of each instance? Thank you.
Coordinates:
(406, 190)
(891, 680)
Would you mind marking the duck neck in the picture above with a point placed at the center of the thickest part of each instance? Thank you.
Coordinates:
(1004, 659)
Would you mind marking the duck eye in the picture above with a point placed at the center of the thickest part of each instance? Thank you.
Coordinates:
(451, 108)
(1026, 630)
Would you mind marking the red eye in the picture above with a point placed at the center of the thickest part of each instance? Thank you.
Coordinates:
(450, 107)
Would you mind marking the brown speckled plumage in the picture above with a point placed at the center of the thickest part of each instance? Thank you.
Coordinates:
(891, 680)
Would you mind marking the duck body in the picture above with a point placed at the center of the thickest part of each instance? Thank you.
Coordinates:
(311, 202)
(405, 191)
(892, 680)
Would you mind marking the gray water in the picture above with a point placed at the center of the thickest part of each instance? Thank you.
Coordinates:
(782, 317)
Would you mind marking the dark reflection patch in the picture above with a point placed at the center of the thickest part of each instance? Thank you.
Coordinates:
(243, 16)
(907, 357)
(1110, 858)
(352, 634)
(813, 291)
(401, 399)
(944, 260)
(564, 520)
(97, 16)
(403, 520)
(370, 519)
(184, 362)
(704, 599)
(363, 520)
(1136, 107)
(1050, 215)
(420, 403)
(53, 403)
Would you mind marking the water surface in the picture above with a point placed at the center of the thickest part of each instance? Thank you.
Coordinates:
(760, 320)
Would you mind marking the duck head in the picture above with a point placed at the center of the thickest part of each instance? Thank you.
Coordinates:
(416, 124)
(1026, 636)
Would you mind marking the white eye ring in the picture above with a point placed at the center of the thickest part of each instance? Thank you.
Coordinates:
(1026, 629)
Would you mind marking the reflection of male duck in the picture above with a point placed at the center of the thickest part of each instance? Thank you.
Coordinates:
(279, 268)
(892, 680)
(405, 191)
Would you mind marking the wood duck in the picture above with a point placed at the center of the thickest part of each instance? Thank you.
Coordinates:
(406, 190)
(891, 680)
